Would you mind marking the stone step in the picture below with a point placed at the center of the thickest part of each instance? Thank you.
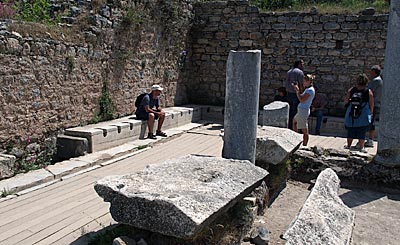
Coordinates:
(105, 135)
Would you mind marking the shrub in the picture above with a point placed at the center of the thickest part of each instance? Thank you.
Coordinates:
(107, 109)
(34, 10)
(7, 10)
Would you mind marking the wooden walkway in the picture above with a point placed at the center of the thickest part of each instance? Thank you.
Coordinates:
(63, 212)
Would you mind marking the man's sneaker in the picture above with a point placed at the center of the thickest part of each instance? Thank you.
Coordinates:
(151, 136)
(363, 150)
(369, 143)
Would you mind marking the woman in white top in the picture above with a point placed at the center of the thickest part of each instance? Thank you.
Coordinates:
(300, 120)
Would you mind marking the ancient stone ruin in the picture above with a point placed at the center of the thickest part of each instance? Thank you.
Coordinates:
(180, 197)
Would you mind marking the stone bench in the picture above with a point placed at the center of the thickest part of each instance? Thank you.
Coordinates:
(179, 197)
(324, 218)
(104, 135)
(332, 126)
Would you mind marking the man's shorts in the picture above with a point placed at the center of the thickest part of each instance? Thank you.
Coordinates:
(145, 116)
(302, 118)
(375, 117)
(357, 132)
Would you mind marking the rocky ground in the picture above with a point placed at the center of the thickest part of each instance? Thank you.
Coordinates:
(377, 218)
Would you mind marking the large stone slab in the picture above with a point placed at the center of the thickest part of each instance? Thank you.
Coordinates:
(179, 197)
(324, 218)
(274, 145)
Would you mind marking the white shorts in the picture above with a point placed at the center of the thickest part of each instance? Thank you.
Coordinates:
(302, 118)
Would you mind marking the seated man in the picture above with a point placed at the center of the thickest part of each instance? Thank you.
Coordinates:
(150, 110)
(318, 109)
(282, 95)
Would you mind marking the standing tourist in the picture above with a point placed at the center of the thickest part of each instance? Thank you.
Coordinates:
(295, 77)
(375, 85)
(360, 104)
(300, 120)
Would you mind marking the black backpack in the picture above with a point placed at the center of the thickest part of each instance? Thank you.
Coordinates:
(139, 99)
(357, 103)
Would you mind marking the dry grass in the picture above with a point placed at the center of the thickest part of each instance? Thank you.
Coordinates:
(37, 30)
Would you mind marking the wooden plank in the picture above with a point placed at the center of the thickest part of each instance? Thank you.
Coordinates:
(46, 230)
(68, 185)
(46, 215)
(81, 221)
(95, 227)
(35, 210)
(43, 206)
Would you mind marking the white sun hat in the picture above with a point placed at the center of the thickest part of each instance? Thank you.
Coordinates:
(156, 87)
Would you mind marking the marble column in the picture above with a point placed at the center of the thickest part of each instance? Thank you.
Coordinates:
(241, 104)
(389, 122)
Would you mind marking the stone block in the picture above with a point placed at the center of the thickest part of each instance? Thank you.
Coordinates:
(324, 218)
(27, 180)
(91, 134)
(105, 135)
(274, 145)
(7, 165)
(276, 114)
(63, 168)
(181, 196)
(70, 146)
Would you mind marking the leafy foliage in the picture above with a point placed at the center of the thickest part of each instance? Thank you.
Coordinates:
(34, 10)
(107, 109)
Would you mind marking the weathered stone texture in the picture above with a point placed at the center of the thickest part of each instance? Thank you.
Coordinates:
(274, 145)
(339, 46)
(324, 218)
(6, 166)
(179, 197)
(53, 79)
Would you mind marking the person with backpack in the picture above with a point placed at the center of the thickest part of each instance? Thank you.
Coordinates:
(148, 108)
(360, 104)
(300, 120)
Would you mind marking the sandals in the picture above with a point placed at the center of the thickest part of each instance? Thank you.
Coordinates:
(151, 136)
(161, 133)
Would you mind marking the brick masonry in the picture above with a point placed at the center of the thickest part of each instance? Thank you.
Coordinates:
(335, 48)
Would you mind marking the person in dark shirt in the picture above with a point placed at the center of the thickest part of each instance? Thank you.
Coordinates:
(282, 95)
(151, 110)
(295, 77)
(318, 108)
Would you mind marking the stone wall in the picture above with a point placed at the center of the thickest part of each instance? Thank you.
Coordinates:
(52, 76)
(335, 48)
